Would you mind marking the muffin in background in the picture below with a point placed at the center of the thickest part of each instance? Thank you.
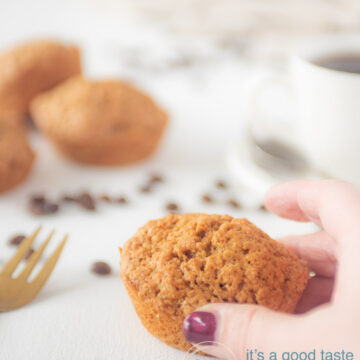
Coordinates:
(16, 156)
(100, 122)
(176, 264)
(31, 68)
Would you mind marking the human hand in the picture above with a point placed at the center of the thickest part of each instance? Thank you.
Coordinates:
(332, 254)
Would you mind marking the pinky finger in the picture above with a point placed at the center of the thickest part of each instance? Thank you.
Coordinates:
(318, 292)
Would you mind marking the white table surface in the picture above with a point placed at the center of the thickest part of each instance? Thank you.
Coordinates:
(79, 315)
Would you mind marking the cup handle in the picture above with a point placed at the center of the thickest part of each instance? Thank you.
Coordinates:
(261, 123)
(248, 158)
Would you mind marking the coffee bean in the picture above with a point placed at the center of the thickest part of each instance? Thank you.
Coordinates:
(40, 206)
(121, 200)
(145, 188)
(86, 201)
(68, 198)
(105, 197)
(263, 208)
(233, 203)
(207, 198)
(51, 208)
(156, 178)
(28, 254)
(17, 240)
(172, 206)
(221, 184)
(101, 268)
(38, 199)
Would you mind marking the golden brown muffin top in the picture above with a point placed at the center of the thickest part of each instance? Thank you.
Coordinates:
(97, 111)
(15, 151)
(21, 60)
(181, 262)
(31, 68)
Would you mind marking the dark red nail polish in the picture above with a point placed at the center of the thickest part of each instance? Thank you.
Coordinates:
(199, 327)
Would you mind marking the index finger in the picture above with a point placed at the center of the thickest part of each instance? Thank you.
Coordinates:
(332, 204)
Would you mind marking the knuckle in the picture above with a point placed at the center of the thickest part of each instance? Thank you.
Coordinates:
(240, 338)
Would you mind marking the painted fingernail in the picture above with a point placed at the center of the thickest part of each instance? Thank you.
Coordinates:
(199, 327)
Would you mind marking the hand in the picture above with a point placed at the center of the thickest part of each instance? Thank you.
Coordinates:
(333, 324)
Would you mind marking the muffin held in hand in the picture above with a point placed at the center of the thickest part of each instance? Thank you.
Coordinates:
(101, 123)
(16, 156)
(176, 264)
(31, 68)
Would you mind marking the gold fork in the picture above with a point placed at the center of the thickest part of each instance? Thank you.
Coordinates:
(17, 292)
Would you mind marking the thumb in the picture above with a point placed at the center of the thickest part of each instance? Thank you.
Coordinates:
(231, 331)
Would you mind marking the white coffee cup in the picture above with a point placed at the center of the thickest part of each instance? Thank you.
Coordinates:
(328, 106)
(323, 123)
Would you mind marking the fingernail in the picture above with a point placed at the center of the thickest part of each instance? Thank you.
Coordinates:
(200, 327)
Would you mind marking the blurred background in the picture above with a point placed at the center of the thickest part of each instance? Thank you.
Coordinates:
(258, 27)
(198, 57)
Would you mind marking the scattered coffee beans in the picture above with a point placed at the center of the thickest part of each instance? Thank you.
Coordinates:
(263, 208)
(39, 205)
(172, 207)
(233, 203)
(156, 178)
(145, 188)
(105, 197)
(68, 198)
(101, 268)
(221, 184)
(151, 181)
(37, 199)
(207, 198)
(17, 240)
(121, 200)
(86, 201)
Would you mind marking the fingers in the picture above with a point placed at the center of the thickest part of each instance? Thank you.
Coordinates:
(318, 250)
(332, 204)
(282, 200)
(318, 292)
(227, 331)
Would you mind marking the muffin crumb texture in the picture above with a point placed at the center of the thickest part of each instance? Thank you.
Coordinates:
(176, 264)
(16, 156)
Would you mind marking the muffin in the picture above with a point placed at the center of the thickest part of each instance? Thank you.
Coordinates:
(31, 68)
(174, 265)
(99, 122)
(16, 156)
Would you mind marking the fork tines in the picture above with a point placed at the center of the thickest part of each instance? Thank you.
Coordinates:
(23, 249)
